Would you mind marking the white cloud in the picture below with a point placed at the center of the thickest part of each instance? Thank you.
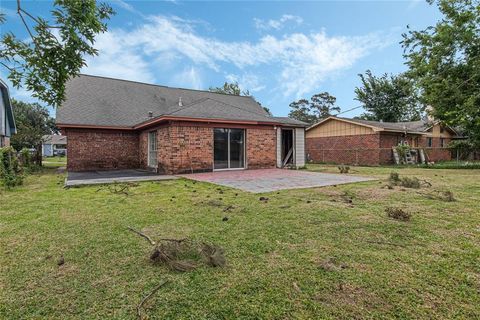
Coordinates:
(277, 24)
(117, 60)
(298, 62)
(247, 81)
(188, 78)
(125, 5)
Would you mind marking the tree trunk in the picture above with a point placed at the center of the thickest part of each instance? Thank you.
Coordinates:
(37, 158)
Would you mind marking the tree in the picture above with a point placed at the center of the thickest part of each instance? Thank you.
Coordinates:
(230, 88)
(321, 105)
(234, 89)
(389, 98)
(56, 51)
(444, 60)
(33, 121)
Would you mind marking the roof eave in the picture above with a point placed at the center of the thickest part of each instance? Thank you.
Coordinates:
(208, 120)
(161, 119)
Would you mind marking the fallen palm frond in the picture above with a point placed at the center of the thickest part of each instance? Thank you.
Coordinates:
(398, 214)
(183, 254)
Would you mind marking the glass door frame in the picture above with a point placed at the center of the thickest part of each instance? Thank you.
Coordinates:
(228, 150)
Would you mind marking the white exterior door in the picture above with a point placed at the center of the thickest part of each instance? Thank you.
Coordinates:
(152, 149)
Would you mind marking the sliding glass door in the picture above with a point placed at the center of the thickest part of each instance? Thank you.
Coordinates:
(228, 148)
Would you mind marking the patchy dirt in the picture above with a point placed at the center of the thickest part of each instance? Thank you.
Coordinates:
(331, 264)
(372, 194)
(350, 296)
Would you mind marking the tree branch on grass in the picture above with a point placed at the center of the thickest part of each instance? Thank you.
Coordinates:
(142, 235)
(148, 296)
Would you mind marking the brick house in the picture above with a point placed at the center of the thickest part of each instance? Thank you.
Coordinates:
(7, 122)
(353, 141)
(119, 124)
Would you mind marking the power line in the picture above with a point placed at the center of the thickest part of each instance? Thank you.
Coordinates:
(348, 110)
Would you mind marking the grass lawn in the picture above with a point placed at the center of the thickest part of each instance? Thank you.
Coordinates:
(306, 253)
(54, 161)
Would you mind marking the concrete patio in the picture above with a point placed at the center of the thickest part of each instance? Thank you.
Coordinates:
(268, 180)
(112, 176)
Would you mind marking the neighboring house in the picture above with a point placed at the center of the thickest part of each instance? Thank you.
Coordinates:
(118, 124)
(7, 122)
(54, 145)
(354, 141)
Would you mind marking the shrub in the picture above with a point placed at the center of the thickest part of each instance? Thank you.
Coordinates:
(461, 148)
(448, 196)
(343, 169)
(402, 150)
(413, 183)
(394, 178)
(26, 160)
(10, 175)
(398, 214)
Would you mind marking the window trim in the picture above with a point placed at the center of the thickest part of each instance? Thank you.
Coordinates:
(429, 142)
(228, 148)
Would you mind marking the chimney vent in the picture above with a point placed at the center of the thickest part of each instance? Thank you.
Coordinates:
(150, 114)
(180, 104)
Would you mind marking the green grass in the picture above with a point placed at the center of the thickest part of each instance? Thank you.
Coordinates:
(302, 254)
(54, 161)
(454, 165)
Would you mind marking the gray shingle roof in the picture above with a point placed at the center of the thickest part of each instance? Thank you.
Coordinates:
(419, 126)
(100, 101)
(54, 139)
(290, 121)
(416, 126)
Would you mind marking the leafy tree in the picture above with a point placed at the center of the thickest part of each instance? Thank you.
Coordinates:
(33, 121)
(444, 60)
(234, 89)
(321, 105)
(389, 98)
(230, 88)
(56, 51)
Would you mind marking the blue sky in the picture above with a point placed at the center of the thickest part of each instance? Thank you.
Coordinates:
(281, 51)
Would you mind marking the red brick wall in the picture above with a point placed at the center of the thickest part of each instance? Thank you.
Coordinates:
(436, 152)
(354, 149)
(4, 141)
(90, 149)
(261, 147)
(182, 148)
(372, 149)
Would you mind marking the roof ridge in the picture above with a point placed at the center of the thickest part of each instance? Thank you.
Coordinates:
(226, 103)
(164, 86)
(258, 114)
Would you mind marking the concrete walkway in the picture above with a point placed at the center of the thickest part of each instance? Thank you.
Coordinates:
(267, 180)
(112, 176)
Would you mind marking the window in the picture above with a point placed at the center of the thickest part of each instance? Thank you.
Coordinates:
(229, 148)
(152, 149)
(429, 142)
(442, 142)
